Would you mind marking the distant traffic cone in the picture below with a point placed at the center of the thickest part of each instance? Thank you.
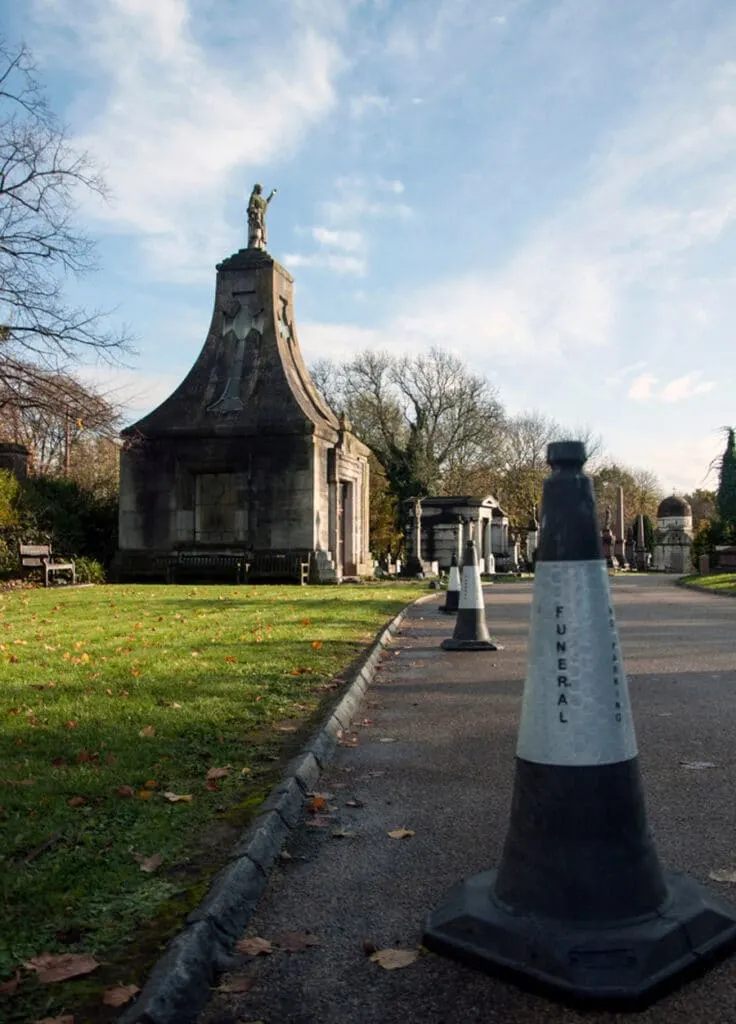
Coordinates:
(579, 902)
(452, 596)
(471, 631)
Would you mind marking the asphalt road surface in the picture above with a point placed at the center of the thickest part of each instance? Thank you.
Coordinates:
(435, 754)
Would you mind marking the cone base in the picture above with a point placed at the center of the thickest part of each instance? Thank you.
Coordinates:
(470, 645)
(620, 962)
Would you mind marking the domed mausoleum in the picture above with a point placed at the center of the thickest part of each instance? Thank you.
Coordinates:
(673, 538)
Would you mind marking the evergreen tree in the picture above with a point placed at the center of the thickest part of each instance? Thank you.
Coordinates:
(726, 499)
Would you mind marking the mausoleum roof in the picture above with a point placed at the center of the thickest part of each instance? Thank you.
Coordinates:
(673, 506)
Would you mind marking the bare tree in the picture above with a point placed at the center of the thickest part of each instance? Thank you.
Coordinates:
(427, 418)
(40, 174)
(52, 414)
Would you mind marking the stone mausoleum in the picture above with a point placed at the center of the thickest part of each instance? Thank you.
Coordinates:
(673, 538)
(446, 523)
(245, 464)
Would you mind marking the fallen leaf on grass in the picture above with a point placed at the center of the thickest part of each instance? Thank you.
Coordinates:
(175, 798)
(70, 725)
(723, 875)
(125, 791)
(9, 988)
(230, 658)
(149, 864)
(344, 833)
(316, 644)
(66, 1018)
(51, 967)
(402, 833)
(255, 946)
(76, 801)
(300, 671)
(119, 996)
(295, 942)
(217, 773)
(391, 959)
(147, 731)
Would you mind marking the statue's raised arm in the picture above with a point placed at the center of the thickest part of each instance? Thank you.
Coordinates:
(257, 206)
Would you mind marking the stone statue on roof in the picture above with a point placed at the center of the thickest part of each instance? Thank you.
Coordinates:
(257, 207)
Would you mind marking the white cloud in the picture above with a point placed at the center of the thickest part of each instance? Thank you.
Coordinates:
(172, 122)
(368, 103)
(350, 241)
(685, 387)
(340, 263)
(642, 387)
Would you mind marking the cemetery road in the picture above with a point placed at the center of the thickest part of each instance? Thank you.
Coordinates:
(435, 748)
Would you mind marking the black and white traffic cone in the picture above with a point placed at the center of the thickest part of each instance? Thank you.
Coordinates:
(452, 595)
(579, 902)
(471, 631)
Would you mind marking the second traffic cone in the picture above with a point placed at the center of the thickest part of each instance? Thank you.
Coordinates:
(580, 901)
(471, 631)
(452, 596)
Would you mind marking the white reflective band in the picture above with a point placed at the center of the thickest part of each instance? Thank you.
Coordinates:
(454, 581)
(576, 708)
(471, 591)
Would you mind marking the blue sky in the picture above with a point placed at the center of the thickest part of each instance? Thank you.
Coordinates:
(546, 188)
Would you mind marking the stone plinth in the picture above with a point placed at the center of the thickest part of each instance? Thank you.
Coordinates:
(245, 456)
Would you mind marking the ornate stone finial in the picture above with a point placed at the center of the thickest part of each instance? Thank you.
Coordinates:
(257, 207)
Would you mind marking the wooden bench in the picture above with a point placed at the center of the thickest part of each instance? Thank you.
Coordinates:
(291, 566)
(39, 556)
(204, 565)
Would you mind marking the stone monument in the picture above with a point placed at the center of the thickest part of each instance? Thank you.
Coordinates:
(245, 460)
(609, 541)
(620, 546)
(673, 538)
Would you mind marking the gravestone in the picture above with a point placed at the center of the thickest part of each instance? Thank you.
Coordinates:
(245, 458)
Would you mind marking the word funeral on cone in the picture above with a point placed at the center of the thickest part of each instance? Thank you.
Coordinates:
(579, 902)
(471, 631)
(452, 597)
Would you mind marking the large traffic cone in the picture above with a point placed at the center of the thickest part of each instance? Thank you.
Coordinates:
(452, 595)
(471, 631)
(579, 901)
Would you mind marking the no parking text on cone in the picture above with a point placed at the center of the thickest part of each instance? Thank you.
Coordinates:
(580, 901)
(471, 631)
(452, 596)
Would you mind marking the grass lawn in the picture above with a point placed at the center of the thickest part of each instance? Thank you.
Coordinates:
(116, 704)
(718, 583)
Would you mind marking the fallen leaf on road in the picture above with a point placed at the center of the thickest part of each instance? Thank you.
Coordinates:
(723, 875)
(344, 833)
(175, 798)
(391, 959)
(387, 739)
(354, 803)
(238, 983)
(119, 996)
(318, 821)
(697, 766)
(52, 967)
(255, 946)
(217, 773)
(295, 942)
(402, 833)
(149, 864)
